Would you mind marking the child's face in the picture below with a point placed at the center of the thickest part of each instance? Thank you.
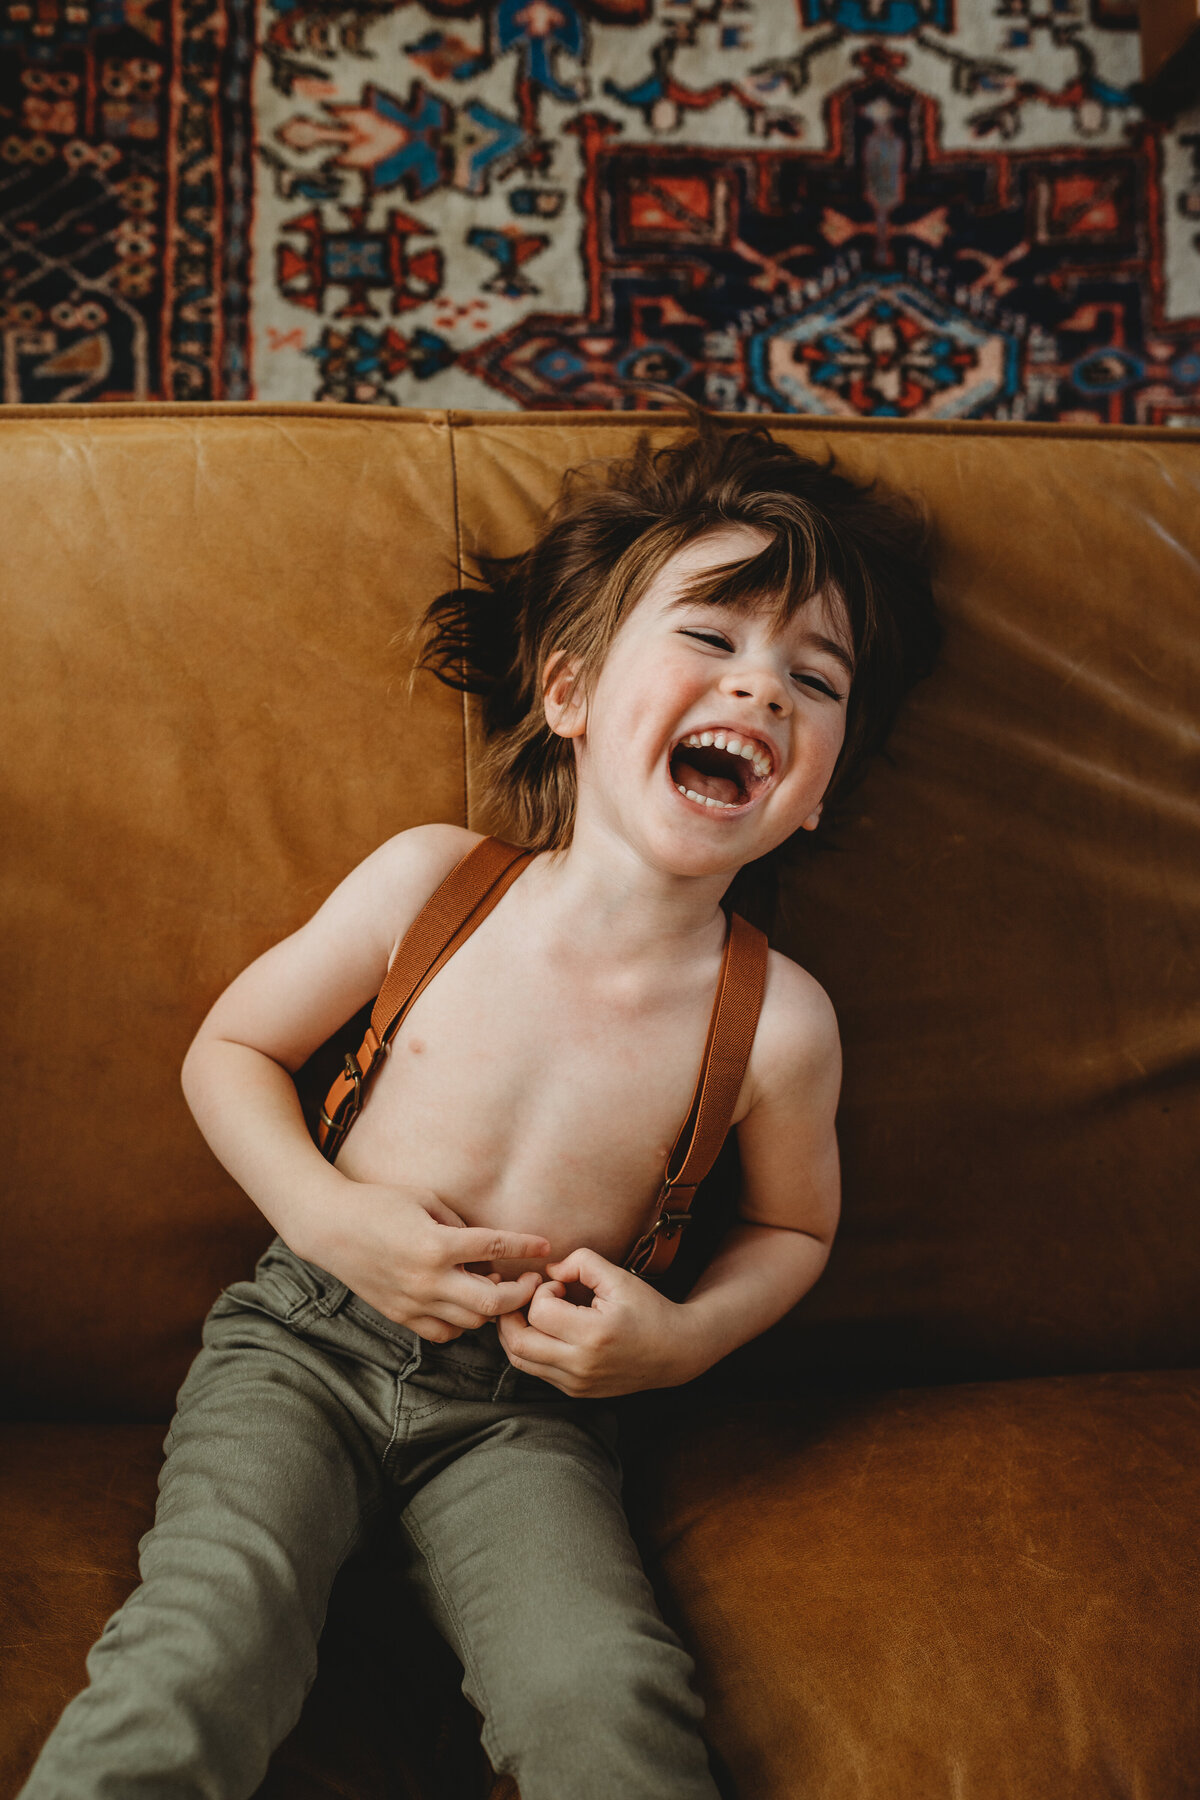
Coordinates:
(678, 673)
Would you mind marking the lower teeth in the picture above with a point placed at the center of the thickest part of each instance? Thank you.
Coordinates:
(704, 799)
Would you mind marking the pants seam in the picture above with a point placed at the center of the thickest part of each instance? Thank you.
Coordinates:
(500, 1761)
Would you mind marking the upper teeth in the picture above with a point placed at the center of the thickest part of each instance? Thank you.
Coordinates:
(736, 746)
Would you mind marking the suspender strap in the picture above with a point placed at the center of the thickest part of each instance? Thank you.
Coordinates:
(727, 1050)
(447, 919)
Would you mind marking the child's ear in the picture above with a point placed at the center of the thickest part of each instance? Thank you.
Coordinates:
(814, 818)
(562, 695)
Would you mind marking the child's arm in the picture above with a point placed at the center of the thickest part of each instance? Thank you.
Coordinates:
(791, 1187)
(400, 1248)
(632, 1337)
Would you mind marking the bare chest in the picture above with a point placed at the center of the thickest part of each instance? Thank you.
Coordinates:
(535, 1102)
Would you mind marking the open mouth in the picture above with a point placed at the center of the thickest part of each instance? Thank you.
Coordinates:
(717, 776)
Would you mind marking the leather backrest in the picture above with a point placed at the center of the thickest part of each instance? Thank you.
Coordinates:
(205, 726)
(204, 730)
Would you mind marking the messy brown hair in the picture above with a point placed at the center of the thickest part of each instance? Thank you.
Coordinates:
(605, 539)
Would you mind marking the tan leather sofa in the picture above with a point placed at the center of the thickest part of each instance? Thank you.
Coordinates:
(949, 1549)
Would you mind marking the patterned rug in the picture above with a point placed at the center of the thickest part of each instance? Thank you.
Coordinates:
(900, 208)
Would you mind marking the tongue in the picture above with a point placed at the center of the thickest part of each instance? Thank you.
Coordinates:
(709, 787)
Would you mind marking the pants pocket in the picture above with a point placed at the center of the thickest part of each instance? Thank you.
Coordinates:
(285, 1286)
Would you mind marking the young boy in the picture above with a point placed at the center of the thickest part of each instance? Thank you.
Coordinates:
(687, 665)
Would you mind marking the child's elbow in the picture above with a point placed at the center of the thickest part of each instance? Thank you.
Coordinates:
(191, 1071)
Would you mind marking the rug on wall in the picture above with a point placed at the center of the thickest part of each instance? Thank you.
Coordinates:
(898, 208)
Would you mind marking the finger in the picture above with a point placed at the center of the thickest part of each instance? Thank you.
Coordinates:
(487, 1305)
(555, 1377)
(434, 1331)
(441, 1316)
(441, 1213)
(475, 1304)
(592, 1270)
(497, 1279)
(556, 1317)
(480, 1243)
(480, 1294)
(537, 1348)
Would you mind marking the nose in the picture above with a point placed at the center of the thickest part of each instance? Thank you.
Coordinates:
(754, 678)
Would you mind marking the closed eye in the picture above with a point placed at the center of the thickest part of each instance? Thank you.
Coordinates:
(812, 681)
(704, 637)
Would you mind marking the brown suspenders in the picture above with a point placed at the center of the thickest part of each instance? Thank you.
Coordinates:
(450, 915)
(446, 920)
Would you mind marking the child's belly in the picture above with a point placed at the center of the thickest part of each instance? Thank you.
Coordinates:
(605, 1209)
(559, 1164)
(612, 1240)
(536, 1104)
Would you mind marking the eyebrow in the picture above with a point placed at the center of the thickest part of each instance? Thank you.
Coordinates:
(830, 646)
(832, 649)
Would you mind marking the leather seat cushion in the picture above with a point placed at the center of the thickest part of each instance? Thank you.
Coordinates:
(987, 1589)
(885, 1593)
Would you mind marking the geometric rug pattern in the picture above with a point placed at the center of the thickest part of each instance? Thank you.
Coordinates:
(890, 208)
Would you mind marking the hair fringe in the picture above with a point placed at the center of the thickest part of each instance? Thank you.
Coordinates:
(612, 526)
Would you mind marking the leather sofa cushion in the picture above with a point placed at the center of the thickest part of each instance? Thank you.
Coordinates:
(885, 1593)
(987, 1589)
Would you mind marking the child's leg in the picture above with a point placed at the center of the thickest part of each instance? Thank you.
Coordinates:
(524, 1558)
(204, 1669)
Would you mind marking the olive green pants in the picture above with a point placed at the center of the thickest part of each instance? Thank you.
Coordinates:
(305, 1416)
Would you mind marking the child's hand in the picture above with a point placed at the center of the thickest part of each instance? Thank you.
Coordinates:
(401, 1249)
(631, 1337)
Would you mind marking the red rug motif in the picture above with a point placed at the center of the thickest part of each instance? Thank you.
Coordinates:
(897, 208)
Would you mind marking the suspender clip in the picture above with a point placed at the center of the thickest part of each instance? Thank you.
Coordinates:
(665, 1229)
(354, 1074)
(345, 1112)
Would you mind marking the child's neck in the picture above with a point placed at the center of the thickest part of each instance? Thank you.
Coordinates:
(614, 908)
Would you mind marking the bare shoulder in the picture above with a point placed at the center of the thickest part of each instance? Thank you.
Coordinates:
(412, 865)
(302, 988)
(424, 853)
(797, 1039)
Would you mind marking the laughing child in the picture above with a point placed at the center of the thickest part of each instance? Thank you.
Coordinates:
(697, 656)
